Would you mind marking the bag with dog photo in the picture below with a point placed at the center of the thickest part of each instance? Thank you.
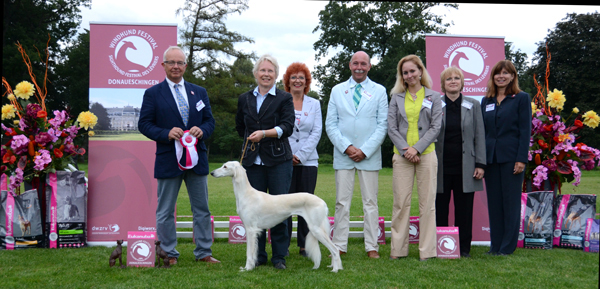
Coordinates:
(20, 219)
(66, 203)
(572, 211)
(537, 223)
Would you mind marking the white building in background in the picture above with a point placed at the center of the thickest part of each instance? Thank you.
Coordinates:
(123, 118)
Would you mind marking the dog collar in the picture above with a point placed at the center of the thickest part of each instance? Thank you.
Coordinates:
(187, 143)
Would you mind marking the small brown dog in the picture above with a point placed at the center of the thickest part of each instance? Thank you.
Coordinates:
(161, 255)
(117, 254)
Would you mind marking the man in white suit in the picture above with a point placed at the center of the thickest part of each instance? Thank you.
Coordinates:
(356, 124)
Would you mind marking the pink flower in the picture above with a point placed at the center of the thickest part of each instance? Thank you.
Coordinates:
(19, 144)
(42, 160)
(540, 174)
(16, 179)
(60, 117)
(43, 138)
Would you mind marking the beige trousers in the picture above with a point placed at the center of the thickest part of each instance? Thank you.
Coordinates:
(369, 186)
(404, 174)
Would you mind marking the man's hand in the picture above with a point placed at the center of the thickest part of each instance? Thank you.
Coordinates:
(176, 133)
(196, 132)
(355, 153)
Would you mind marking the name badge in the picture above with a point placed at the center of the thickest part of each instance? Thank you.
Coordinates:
(367, 95)
(199, 105)
(490, 107)
(467, 105)
(427, 103)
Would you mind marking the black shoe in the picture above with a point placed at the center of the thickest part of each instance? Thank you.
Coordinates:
(258, 263)
(465, 255)
(303, 253)
(491, 253)
(280, 266)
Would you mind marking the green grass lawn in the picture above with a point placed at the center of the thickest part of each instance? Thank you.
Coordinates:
(526, 268)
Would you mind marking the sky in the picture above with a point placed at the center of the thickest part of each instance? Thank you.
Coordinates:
(284, 28)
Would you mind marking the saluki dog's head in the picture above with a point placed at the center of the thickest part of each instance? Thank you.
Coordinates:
(228, 169)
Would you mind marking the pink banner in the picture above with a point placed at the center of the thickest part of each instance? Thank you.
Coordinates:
(141, 249)
(128, 56)
(475, 56)
(448, 243)
(122, 189)
(53, 237)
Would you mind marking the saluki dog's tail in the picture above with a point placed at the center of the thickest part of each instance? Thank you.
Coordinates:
(312, 249)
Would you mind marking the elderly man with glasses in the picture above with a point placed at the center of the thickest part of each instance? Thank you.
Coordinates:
(176, 115)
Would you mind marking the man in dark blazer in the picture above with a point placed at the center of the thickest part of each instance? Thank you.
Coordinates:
(265, 120)
(171, 110)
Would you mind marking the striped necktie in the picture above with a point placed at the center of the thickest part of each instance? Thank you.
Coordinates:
(182, 104)
(356, 96)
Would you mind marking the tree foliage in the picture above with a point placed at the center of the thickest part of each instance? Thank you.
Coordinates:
(387, 31)
(205, 36)
(103, 119)
(574, 47)
(37, 24)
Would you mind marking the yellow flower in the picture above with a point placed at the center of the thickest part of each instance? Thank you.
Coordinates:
(575, 110)
(87, 120)
(16, 121)
(563, 137)
(8, 111)
(533, 108)
(591, 119)
(11, 97)
(24, 90)
(91, 133)
(556, 99)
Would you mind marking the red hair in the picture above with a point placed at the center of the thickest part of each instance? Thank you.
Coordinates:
(294, 68)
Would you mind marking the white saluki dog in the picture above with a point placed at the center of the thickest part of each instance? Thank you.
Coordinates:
(260, 211)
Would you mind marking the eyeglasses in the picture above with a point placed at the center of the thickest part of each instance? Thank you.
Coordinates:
(297, 77)
(172, 63)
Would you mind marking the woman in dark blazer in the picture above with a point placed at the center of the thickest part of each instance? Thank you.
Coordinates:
(308, 126)
(507, 118)
(460, 150)
(265, 119)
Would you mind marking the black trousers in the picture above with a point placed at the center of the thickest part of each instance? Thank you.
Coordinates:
(504, 206)
(304, 180)
(463, 210)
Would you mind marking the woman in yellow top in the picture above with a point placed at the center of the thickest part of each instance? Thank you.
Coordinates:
(414, 122)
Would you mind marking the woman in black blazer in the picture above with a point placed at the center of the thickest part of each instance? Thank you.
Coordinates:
(507, 119)
(265, 119)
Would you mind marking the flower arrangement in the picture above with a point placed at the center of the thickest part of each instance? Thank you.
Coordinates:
(554, 153)
(36, 143)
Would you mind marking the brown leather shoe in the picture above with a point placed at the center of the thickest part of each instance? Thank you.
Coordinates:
(341, 253)
(208, 259)
(172, 260)
(373, 254)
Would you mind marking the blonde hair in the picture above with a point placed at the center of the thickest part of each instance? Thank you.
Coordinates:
(269, 58)
(400, 85)
(447, 72)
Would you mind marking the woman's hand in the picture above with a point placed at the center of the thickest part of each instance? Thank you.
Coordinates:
(519, 167)
(412, 155)
(478, 174)
(257, 136)
(296, 160)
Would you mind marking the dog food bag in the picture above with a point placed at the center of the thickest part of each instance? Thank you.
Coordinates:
(20, 219)
(537, 224)
(590, 240)
(66, 203)
(572, 212)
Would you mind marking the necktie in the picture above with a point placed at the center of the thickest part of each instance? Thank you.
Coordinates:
(356, 96)
(182, 104)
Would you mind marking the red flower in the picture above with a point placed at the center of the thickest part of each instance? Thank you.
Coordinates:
(58, 153)
(548, 127)
(578, 123)
(542, 144)
(9, 157)
(42, 114)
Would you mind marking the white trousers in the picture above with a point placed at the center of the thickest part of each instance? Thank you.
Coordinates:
(369, 186)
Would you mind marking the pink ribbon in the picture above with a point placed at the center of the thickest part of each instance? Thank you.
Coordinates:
(53, 237)
(187, 143)
(10, 208)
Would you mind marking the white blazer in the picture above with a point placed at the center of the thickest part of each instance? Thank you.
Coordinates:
(364, 128)
(307, 132)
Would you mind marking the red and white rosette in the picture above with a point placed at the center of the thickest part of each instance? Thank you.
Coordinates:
(185, 149)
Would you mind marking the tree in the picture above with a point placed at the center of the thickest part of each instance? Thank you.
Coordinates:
(519, 59)
(206, 37)
(574, 47)
(73, 77)
(37, 24)
(387, 31)
(103, 119)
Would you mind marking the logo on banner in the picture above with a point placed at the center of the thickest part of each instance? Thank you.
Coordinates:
(111, 229)
(133, 53)
(469, 57)
(238, 231)
(447, 245)
(413, 231)
(141, 250)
